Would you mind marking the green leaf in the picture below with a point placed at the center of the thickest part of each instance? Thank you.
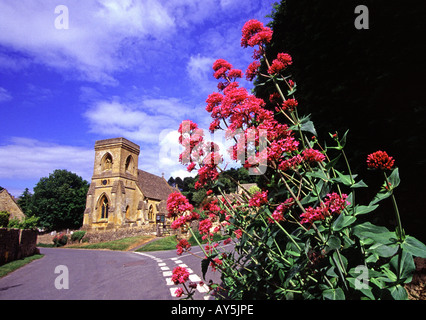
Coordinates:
(414, 246)
(398, 292)
(333, 162)
(309, 127)
(383, 250)
(365, 209)
(344, 178)
(380, 234)
(359, 184)
(342, 221)
(343, 140)
(394, 178)
(333, 294)
(381, 195)
(404, 266)
(333, 243)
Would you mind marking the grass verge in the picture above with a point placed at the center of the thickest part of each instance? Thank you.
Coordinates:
(120, 244)
(13, 265)
(167, 243)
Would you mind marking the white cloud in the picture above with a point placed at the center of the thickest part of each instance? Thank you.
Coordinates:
(141, 121)
(92, 44)
(199, 70)
(4, 95)
(24, 158)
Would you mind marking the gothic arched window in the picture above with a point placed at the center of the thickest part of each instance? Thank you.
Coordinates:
(107, 162)
(103, 207)
(129, 164)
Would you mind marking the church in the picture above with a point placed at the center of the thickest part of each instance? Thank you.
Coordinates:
(121, 195)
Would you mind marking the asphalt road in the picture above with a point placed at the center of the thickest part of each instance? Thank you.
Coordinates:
(101, 275)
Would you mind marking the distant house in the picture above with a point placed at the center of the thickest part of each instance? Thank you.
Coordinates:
(8, 203)
(121, 195)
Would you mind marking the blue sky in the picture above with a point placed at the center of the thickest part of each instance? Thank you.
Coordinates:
(132, 69)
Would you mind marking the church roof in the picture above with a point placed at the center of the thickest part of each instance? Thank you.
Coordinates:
(152, 186)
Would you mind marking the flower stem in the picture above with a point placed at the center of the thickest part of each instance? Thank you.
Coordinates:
(399, 231)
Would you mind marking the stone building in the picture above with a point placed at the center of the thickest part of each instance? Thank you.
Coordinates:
(8, 203)
(121, 195)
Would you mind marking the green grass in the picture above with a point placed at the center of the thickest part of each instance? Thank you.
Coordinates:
(167, 243)
(12, 266)
(120, 244)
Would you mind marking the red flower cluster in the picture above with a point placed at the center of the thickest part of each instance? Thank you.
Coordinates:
(380, 160)
(180, 275)
(223, 69)
(278, 214)
(289, 105)
(252, 70)
(291, 163)
(182, 246)
(254, 33)
(313, 156)
(258, 199)
(282, 61)
(333, 204)
(178, 204)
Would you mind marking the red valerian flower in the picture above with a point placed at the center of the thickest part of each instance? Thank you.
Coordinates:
(278, 214)
(182, 246)
(238, 233)
(205, 226)
(289, 104)
(334, 203)
(178, 204)
(180, 275)
(178, 292)
(313, 156)
(254, 33)
(221, 66)
(282, 61)
(291, 163)
(380, 160)
(252, 70)
(258, 199)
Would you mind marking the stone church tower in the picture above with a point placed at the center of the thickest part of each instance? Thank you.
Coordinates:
(121, 195)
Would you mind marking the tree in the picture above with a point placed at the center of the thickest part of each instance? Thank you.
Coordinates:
(367, 81)
(24, 202)
(171, 182)
(59, 200)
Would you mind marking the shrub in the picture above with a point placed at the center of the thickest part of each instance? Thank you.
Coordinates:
(78, 235)
(4, 219)
(60, 239)
(304, 236)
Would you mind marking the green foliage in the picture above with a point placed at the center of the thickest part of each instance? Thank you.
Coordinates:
(60, 239)
(4, 219)
(59, 200)
(78, 235)
(26, 223)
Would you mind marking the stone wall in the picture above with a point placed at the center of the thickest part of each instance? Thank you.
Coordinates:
(17, 244)
(109, 235)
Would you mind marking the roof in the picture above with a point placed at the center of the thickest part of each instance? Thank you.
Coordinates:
(152, 186)
(8, 203)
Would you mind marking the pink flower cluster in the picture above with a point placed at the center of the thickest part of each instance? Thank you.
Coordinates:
(334, 203)
(180, 275)
(178, 204)
(282, 61)
(380, 160)
(278, 214)
(254, 33)
(182, 246)
(258, 199)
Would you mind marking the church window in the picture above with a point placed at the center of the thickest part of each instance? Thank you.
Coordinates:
(129, 164)
(107, 162)
(151, 213)
(104, 207)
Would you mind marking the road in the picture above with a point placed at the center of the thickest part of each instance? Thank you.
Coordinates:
(101, 275)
